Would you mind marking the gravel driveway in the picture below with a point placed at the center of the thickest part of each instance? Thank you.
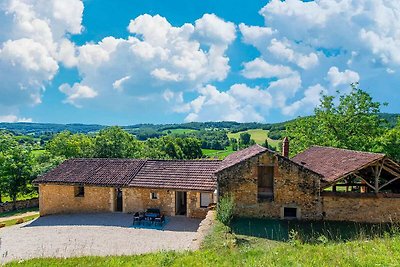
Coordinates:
(92, 234)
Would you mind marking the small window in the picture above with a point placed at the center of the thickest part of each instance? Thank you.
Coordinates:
(205, 200)
(154, 195)
(289, 213)
(79, 191)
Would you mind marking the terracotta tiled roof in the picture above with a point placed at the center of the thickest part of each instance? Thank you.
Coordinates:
(173, 174)
(105, 172)
(241, 155)
(334, 163)
(178, 174)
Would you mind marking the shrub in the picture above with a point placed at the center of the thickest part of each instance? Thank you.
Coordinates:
(225, 208)
(20, 220)
(2, 225)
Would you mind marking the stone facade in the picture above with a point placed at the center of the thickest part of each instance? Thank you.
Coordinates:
(360, 208)
(293, 187)
(55, 199)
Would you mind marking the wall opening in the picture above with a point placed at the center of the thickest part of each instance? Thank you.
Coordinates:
(265, 183)
(119, 199)
(180, 203)
(289, 213)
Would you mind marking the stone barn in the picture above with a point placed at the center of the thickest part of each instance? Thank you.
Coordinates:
(321, 183)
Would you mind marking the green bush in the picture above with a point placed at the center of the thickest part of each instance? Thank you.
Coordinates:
(225, 210)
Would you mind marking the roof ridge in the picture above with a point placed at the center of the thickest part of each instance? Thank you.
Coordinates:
(346, 149)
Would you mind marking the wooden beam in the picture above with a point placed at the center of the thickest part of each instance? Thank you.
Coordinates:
(389, 182)
(366, 182)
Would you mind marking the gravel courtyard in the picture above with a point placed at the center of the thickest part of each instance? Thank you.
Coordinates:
(93, 234)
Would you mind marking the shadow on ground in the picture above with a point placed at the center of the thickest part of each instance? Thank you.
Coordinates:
(308, 231)
(177, 224)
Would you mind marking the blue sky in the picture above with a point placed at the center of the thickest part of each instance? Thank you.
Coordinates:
(130, 61)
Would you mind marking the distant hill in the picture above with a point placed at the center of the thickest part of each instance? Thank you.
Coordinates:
(38, 129)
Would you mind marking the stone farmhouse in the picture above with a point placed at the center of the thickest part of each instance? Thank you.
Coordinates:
(321, 183)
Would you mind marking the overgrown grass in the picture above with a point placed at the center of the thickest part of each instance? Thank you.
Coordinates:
(223, 248)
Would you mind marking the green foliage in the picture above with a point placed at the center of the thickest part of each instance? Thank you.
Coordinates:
(16, 172)
(389, 142)
(70, 145)
(352, 123)
(114, 142)
(244, 139)
(225, 208)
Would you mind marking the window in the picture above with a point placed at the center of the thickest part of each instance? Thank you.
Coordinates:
(205, 199)
(289, 213)
(265, 182)
(154, 195)
(79, 191)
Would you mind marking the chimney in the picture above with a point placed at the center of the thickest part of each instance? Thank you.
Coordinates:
(285, 147)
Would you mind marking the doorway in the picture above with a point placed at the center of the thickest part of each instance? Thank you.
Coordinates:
(119, 199)
(180, 203)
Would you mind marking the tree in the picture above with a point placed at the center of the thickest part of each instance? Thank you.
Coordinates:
(352, 123)
(16, 171)
(234, 144)
(245, 139)
(70, 145)
(389, 143)
(114, 142)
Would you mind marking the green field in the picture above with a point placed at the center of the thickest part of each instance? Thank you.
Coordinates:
(19, 197)
(258, 135)
(179, 131)
(224, 248)
(220, 154)
(37, 152)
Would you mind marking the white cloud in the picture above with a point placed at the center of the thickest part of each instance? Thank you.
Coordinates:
(312, 97)
(33, 41)
(346, 77)
(76, 93)
(13, 118)
(258, 68)
(156, 56)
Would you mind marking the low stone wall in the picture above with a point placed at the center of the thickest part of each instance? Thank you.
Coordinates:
(21, 204)
(357, 208)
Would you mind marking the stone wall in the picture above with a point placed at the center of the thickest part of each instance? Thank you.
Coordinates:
(139, 199)
(293, 187)
(21, 204)
(55, 199)
(358, 208)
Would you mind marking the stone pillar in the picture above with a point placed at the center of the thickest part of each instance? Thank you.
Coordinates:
(285, 147)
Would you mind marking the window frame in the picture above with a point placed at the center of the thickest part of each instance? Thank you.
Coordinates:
(210, 199)
(79, 191)
(153, 195)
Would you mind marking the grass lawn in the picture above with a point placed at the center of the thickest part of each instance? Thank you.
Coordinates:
(259, 136)
(14, 221)
(179, 131)
(37, 152)
(222, 248)
(220, 154)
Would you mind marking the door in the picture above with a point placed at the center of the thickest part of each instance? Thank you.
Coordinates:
(180, 203)
(119, 199)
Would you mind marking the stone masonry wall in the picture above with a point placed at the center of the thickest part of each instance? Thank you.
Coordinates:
(375, 209)
(138, 199)
(292, 188)
(55, 199)
(21, 204)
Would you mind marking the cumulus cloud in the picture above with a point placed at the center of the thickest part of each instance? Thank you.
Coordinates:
(346, 77)
(76, 93)
(156, 56)
(13, 118)
(258, 68)
(33, 42)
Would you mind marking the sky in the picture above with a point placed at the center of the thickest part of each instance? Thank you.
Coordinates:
(134, 61)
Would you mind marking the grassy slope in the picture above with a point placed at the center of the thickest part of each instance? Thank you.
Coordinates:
(14, 221)
(224, 249)
(180, 131)
(259, 136)
(20, 197)
(220, 154)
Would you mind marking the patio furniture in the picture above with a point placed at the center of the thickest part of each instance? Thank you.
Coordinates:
(151, 214)
(138, 217)
(160, 220)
